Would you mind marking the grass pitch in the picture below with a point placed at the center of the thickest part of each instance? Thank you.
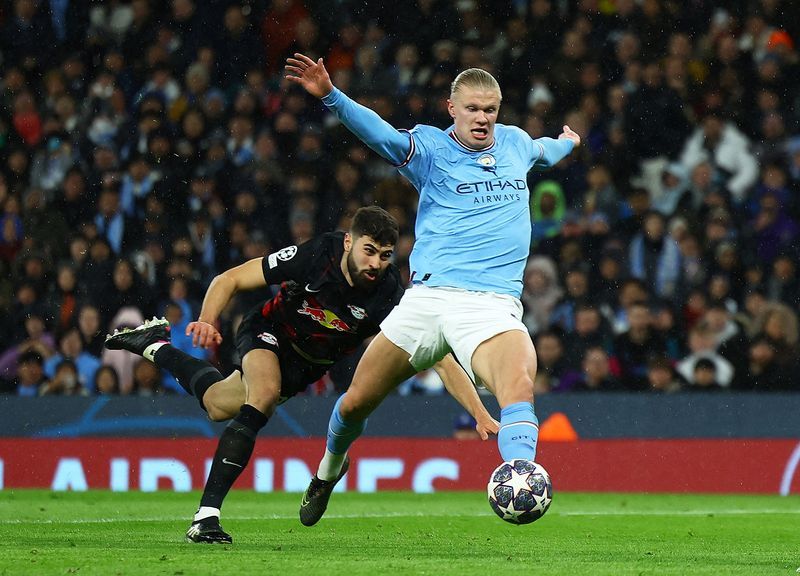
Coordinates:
(400, 533)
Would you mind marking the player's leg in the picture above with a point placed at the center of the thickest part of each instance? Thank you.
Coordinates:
(493, 345)
(261, 375)
(506, 363)
(223, 399)
(383, 366)
(151, 340)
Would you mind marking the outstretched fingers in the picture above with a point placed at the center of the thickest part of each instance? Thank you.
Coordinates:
(304, 59)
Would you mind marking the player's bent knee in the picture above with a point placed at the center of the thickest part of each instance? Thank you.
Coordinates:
(355, 407)
(218, 414)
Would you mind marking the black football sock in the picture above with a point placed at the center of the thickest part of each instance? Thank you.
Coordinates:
(233, 453)
(194, 375)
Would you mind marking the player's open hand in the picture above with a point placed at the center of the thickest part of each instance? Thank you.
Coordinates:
(311, 75)
(570, 134)
(203, 334)
(486, 425)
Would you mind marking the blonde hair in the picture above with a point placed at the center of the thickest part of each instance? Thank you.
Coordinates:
(475, 78)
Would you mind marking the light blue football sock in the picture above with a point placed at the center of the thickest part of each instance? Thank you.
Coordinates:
(341, 433)
(519, 432)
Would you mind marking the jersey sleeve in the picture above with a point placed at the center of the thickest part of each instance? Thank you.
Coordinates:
(550, 151)
(392, 144)
(291, 262)
(423, 146)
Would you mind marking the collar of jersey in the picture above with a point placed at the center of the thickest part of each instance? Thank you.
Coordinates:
(452, 135)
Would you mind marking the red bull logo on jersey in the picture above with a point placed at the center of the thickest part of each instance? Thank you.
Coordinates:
(324, 317)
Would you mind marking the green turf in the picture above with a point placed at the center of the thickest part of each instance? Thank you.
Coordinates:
(400, 533)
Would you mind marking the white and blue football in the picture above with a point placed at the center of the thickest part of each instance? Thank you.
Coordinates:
(520, 491)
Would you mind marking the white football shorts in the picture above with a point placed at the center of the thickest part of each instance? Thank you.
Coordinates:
(429, 322)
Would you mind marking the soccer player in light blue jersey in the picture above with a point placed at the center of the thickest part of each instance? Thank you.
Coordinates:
(473, 233)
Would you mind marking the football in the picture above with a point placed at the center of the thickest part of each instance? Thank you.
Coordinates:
(520, 491)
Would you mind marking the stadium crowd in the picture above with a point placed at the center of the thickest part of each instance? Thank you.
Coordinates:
(146, 146)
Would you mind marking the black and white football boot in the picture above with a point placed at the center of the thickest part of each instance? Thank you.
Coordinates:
(208, 531)
(137, 339)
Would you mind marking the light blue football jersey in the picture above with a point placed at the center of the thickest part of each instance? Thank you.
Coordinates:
(473, 224)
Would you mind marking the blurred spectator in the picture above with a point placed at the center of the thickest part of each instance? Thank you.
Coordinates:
(730, 339)
(106, 381)
(89, 326)
(65, 381)
(661, 376)
(772, 229)
(147, 378)
(547, 211)
(606, 279)
(674, 190)
(540, 293)
(601, 196)
(72, 201)
(127, 290)
(655, 257)
(63, 297)
(590, 331)
(596, 373)
(766, 374)
(719, 142)
(30, 375)
(664, 323)
(702, 347)
(704, 377)
(576, 283)
(635, 347)
(550, 357)
(35, 338)
(70, 348)
(783, 285)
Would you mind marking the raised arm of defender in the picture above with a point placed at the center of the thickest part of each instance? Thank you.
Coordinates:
(370, 128)
(246, 276)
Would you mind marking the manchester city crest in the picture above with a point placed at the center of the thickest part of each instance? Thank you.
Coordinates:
(487, 161)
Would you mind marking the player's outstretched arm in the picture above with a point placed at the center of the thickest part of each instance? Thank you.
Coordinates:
(463, 390)
(553, 150)
(312, 76)
(370, 128)
(246, 276)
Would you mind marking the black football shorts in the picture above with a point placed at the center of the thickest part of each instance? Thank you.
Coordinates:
(257, 332)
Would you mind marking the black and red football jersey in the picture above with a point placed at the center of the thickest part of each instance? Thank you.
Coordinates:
(316, 308)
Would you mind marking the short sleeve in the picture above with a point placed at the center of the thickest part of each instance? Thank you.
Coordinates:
(291, 262)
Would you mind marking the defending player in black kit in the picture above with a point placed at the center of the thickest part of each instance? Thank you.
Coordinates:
(334, 292)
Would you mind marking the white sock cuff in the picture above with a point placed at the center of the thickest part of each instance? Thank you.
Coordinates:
(206, 512)
(150, 352)
(330, 465)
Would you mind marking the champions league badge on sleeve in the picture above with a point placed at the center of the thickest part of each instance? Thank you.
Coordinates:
(283, 254)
